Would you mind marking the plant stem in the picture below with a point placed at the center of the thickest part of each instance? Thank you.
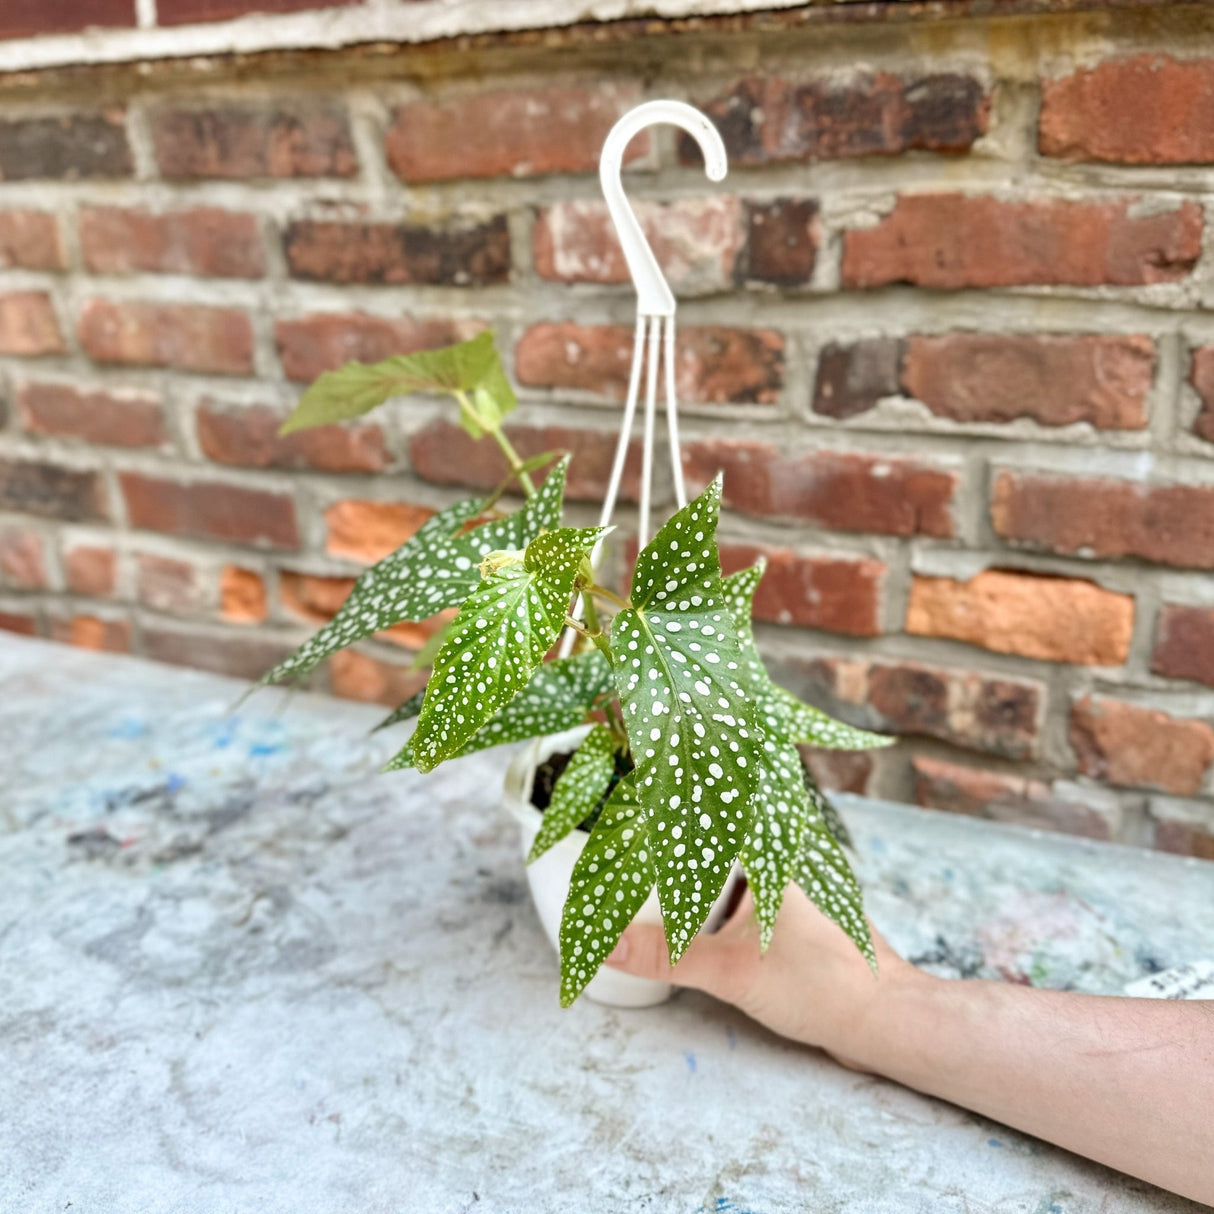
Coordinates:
(512, 456)
(603, 593)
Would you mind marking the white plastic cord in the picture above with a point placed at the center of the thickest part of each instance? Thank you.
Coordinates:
(672, 416)
(651, 407)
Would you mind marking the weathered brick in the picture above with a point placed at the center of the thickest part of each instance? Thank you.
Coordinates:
(949, 241)
(713, 365)
(22, 559)
(29, 240)
(206, 241)
(839, 770)
(90, 570)
(1056, 619)
(853, 378)
(67, 147)
(1124, 743)
(1009, 798)
(186, 337)
(1201, 376)
(999, 377)
(108, 418)
(242, 595)
(36, 487)
(1148, 109)
(169, 585)
(209, 510)
(444, 454)
(28, 18)
(845, 491)
(833, 593)
(92, 632)
(312, 345)
(467, 255)
(765, 119)
(28, 325)
(518, 132)
(301, 139)
(187, 12)
(20, 622)
(318, 599)
(697, 242)
(241, 654)
(782, 238)
(1183, 827)
(358, 676)
(368, 531)
(1184, 644)
(1098, 517)
(247, 436)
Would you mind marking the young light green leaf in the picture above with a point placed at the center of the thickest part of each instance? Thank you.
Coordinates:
(559, 696)
(694, 740)
(435, 569)
(357, 388)
(500, 636)
(578, 790)
(404, 712)
(611, 880)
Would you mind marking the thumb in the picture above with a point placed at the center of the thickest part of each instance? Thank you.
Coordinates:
(642, 951)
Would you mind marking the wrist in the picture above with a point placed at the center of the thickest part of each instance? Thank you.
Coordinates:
(898, 995)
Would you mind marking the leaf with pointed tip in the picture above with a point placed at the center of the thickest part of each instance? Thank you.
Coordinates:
(357, 388)
(831, 815)
(503, 630)
(435, 569)
(813, 726)
(578, 789)
(405, 712)
(559, 696)
(694, 741)
(610, 882)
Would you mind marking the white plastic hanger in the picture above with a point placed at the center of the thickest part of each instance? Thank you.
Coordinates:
(655, 326)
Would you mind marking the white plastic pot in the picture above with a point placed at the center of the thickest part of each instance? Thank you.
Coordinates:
(549, 876)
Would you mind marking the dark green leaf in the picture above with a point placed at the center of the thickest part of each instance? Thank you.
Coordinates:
(831, 815)
(813, 726)
(405, 712)
(578, 790)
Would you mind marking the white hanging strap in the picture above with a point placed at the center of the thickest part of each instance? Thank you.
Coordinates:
(672, 416)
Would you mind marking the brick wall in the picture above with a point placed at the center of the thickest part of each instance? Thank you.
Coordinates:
(947, 327)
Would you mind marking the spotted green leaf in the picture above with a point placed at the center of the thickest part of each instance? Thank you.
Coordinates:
(578, 790)
(831, 815)
(694, 741)
(357, 388)
(404, 712)
(813, 726)
(559, 696)
(436, 568)
(501, 634)
(610, 882)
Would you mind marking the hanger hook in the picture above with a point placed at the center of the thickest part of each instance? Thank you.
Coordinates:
(654, 296)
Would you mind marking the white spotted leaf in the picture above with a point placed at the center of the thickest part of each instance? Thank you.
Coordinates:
(694, 741)
(816, 728)
(403, 712)
(610, 882)
(578, 789)
(501, 634)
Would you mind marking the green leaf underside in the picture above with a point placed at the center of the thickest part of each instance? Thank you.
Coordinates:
(405, 712)
(693, 740)
(559, 696)
(503, 630)
(578, 790)
(832, 817)
(357, 388)
(436, 568)
(610, 882)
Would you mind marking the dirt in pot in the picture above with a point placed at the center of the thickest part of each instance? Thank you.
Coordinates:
(551, 769)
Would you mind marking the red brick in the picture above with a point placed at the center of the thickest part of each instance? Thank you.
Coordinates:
(518, 132)
(1185, 828)
(28, 325)
(1008, 798)
(165, 584)
(839, 770)
(465, 255)
(841, 490)
(92, 632)
(358, 676)
(91, 571)
(22, 560)
(247, 436)
(697, 242)
(242, 595)
(206, 241)
(20, 623)
(1184, 644)
(113, 419)
(1149, 109)
(232, 652)
(209, 510)
(444, 454)
(853, 378)
(1126, 744)
(832, 593)
(1055, 619)
(713, 365)
(302, 139)
(67, 147)
(766, 119)
(782, 239)
(1201, 376)
(186, 12)
(312, 345)
(186, 337)
(999, 377)
(368, 531)
(950, 241)
(1101, 518)
(29, 240)
(31, 486)
(27, 18)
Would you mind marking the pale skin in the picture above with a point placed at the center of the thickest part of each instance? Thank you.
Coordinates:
(1126, 1082)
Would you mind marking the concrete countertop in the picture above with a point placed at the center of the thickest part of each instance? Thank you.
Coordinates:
(244, 972)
